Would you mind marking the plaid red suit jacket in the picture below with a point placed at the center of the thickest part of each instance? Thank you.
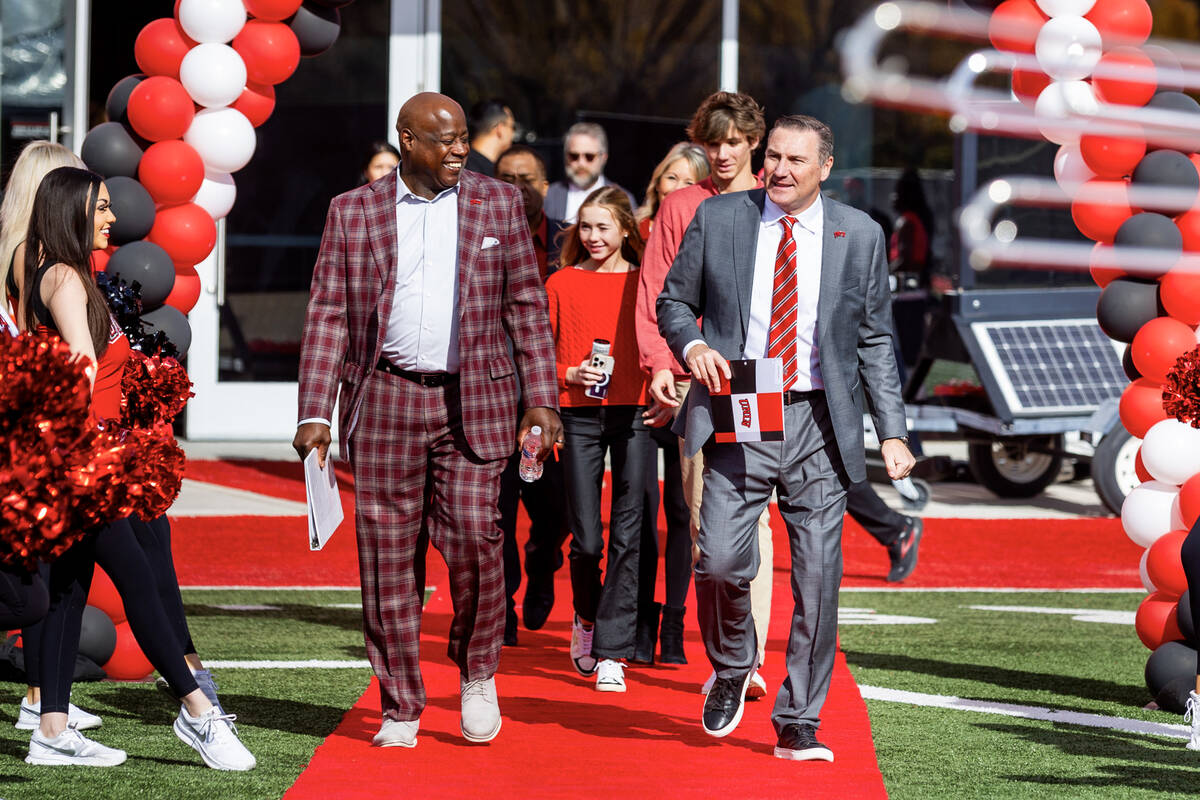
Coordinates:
(499, 292)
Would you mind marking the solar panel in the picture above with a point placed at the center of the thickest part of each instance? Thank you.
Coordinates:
(1065, 366)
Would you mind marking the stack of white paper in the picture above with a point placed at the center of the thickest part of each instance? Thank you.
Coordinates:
(324, 501)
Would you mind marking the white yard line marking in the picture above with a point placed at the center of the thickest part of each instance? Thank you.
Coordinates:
(310, 664)
(1078, 614)
(1026, 712)
(245, 607)
(995, 589)
(868, 616)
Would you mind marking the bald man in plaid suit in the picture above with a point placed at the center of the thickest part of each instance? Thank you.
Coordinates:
(420, 276)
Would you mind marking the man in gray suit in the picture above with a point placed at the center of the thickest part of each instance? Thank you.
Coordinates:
(781, 272)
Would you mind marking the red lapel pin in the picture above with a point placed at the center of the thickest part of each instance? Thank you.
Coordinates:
(475, 201)
(839, 234)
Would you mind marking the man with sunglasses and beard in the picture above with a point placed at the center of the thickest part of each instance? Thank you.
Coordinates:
(585, 152)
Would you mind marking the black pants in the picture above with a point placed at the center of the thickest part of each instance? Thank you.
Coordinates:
(546, 504)
(116, 548)
(1190, 555)
(24, 599)
(677, 553)
(612, 605)
(867, 508)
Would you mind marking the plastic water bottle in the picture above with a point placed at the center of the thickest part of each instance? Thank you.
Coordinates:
(531, 469)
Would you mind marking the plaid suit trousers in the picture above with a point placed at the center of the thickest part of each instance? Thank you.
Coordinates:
(413, 468)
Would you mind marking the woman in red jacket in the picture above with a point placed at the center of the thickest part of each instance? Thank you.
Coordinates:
(592, 298)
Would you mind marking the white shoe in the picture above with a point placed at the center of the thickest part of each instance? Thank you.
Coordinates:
(397, 733)
(212, 735)
(30, 715)
(610, 676)
(480, 709)
(581, 648)
(71, 747)
(1192, 715)
(757, 688)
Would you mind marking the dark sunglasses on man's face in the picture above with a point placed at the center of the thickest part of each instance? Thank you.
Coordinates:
(588, 157)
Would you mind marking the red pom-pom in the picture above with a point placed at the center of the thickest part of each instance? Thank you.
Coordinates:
(1181, 392)
(154, 391)
(153, 472)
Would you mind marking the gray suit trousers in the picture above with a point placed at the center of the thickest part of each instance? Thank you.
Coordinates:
(807, 472)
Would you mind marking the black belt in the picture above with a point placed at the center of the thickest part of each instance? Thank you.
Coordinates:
(423, 378)
(791, 396)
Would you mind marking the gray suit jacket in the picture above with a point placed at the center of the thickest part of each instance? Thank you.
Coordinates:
(555, 204)
(712, 276)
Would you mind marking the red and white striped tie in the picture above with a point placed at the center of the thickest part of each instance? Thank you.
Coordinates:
(781, 335)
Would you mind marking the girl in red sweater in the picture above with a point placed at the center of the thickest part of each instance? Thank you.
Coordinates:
(592, 297)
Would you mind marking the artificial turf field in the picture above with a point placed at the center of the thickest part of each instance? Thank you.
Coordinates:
(1047, 660)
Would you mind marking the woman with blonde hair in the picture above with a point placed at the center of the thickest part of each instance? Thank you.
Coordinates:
(38, 158)
(684, 165)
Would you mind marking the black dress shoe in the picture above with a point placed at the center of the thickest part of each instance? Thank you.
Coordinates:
(903, 551)
(670, 637)
(724, 704)
(798, 742)
(539, 599)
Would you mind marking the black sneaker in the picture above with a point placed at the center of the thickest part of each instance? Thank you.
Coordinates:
(903, 551)
(798, 742)
(539, 599)
(724, 705)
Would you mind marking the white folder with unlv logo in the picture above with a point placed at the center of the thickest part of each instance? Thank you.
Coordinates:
(749, 407)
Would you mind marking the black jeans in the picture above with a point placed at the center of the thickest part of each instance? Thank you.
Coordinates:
(867, 508)
(677, 553)
(589, 433)
(546, 504)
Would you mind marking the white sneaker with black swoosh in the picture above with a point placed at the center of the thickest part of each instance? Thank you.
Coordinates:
(30, 716)
(213, 736)
(71, 748)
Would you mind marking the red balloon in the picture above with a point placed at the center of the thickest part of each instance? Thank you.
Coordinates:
(1014, 25)
(1121, 22)
(1139, 467)
(1164, 565)
(104, 596)
(1125, 75)
(1027, 84)
(272, 10)
(270, 49)
(1158, 344)
(1179, 292)
(1189, 501)
(186, 290)
(171, 171)
(1103, 273)
(1111, 156)
(160, 108)
(128, 663)
(1156, 622)
(1100, 216)
(1189, 225)
(185, 231)
(160, 48)
(1141, 406)
(256, 102)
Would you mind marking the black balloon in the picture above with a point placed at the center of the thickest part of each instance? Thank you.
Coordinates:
(134, 209)
(1174, 101)
(149, 266)
(1131, 371)
(109, 150)
(1125, 305)
(118, 98)
(316, 27)
(1150, 230)
(97, 635)
(1168, 169)
(173, 324)
(1174, 696)
(1184, 615)
(1171, 661)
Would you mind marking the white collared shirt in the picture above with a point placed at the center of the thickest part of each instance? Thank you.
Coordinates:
(422, 331)
(576, 196)
(810, 225)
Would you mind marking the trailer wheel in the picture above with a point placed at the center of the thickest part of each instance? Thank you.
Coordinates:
(1112, 467)
(1021, 467)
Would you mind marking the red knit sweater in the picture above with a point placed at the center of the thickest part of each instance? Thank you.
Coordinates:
(584, 306)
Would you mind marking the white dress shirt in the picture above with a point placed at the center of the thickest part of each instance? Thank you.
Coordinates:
(807, 231)
(576, 196)
(422, 331)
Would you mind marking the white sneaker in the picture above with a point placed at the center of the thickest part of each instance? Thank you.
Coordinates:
(757, 688)
(212, 736)
(1192, 715)
(30, 715)
(610, 676)
(581, 648)
(71, 747)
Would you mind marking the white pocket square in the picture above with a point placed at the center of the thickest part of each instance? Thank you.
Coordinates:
(489, 241)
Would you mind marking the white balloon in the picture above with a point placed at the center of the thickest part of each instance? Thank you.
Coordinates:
(213, 74)
(223, 137)
(1171, 451)
(1068, 48)
(212, 20)
(1148, 512)
(1063, 100)
(217, 193)
(1065, 8)
(1144, 573)
(1070, 170)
